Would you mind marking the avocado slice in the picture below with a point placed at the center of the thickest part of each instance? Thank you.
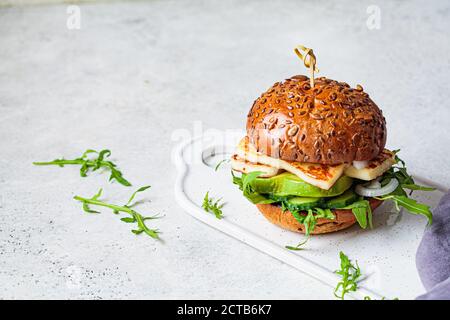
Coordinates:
(288, 184)
(348, 197)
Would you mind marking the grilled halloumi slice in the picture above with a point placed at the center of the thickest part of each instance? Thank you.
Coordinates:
(374, 168)
(244, 166)
(319, 175)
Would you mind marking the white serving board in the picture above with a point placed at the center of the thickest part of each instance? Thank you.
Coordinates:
(386, 253)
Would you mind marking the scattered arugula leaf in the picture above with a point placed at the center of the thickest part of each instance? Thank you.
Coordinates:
(91, 164)
(135, 217)
(136, 192)
(350, 278)
(350, 275)
(211, 206)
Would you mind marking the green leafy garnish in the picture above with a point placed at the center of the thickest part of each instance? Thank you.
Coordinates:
(411, 205)
(361, 208)
(399, 195)
(417, 187)
(362, 211)
(350, 275)
(310, 219)
(298, 246)
(91, 164)
(211, 206)
(400, 173)
(220, 163)
(136, 192)
(244, 183)
(134, 217)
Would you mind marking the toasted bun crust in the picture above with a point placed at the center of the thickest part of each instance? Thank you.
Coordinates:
(329, 124)
(343, 218)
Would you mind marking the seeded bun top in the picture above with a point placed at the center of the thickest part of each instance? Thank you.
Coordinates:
(329, 124)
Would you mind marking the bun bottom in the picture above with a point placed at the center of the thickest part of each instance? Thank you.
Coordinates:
(344, 218)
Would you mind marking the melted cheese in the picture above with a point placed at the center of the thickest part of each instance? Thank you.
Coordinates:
(375, 167)
(319, 175)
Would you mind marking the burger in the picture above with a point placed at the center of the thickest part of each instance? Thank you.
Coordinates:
(314, 159)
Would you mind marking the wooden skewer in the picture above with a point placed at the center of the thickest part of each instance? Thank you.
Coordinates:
(309, 60)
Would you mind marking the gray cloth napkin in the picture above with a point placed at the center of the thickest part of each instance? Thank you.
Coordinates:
(433, 255)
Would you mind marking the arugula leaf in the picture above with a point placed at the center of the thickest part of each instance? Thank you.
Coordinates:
(399, 196)
(220, 163)
(87, 209)
(417, 187)
(400, 173)
(91, 164)
(298, 246)
(249, 178)
(237, 180)
(362, 211)
(244, 183)
(350, 276)
(411, 205)
(209, 205)
(369, 216)
(134, 193)
(361, 216)
(135, 217)
(296, 214)
(324, 213)
(309, 220)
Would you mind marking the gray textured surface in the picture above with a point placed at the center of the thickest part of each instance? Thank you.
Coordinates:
(136, 72)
